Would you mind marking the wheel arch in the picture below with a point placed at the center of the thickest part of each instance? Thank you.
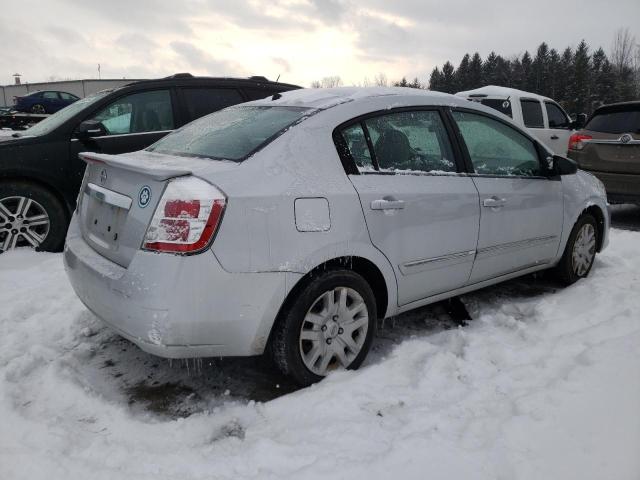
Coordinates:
(43, 184)
(599, 215)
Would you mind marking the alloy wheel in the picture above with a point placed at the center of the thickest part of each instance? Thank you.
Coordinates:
(334, 330)
(39, 109)
(584, 250)
(23, 223)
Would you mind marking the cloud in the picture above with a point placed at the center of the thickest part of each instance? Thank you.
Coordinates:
(283, 64)
(201, 61)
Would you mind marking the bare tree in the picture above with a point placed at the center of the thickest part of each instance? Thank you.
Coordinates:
(327, 82)
(380, 80)
(622, 51)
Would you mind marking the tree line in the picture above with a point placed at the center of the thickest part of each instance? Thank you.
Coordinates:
(576, 78)
(579, 79)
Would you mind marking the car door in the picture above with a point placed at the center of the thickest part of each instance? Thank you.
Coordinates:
(129, 123)
(521, 209)
(559, 129)
(420, 212)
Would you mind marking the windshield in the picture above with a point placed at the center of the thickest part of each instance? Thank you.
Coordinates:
(54, 121)
(230, 134)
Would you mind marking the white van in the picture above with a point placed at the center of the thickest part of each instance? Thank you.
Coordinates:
(541, 116)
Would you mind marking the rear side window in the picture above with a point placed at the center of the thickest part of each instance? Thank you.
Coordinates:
(626, 121)
(532, 113)
(50, 95)
(230, 134)
(557, 118)
(501, 105)
(403, 142)
(203, 101)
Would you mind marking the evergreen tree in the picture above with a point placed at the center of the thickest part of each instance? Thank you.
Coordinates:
(463, 73)
(435, 80)
(540, 70)
(401, 83)
(475, 72)
(602, 80)
(489, 68)
(503, 72)
(580, 80)
(527, 81)
(553, 73)
(448, 78)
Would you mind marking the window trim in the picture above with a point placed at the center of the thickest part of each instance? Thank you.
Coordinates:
(349, 163)
(540, 150)
(542, 112)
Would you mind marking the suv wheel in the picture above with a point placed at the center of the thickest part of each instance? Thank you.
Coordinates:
(30, 216)
(329, 325)
(580, 252)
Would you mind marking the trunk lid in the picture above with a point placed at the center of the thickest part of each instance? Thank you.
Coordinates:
(120, 193)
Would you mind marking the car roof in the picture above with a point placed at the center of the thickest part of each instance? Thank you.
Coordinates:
(323, 98)
(502, 92)
(618, 107)
(185, 79)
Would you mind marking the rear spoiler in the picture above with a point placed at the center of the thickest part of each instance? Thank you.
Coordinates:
(152, 168)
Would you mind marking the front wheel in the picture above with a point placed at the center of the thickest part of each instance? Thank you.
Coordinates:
(328, 326)
(39, 109)
(580, 252)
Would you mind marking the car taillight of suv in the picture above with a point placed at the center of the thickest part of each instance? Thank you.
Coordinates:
(186, 218)
(577, 141)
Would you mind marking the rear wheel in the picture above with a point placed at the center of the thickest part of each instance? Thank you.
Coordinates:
(328, 326)
(30, 216)
(580, 252)
(37, 108)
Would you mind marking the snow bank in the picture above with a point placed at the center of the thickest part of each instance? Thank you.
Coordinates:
(538, 386)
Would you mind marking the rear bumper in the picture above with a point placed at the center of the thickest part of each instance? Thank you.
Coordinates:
(621, 187)
(177, 306)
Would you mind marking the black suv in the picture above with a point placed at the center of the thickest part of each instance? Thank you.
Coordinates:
(40, 173)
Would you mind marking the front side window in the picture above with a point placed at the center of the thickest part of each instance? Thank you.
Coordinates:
(230, 134)
(557, 118)
(203, 101)
(50, 95)
(403, 142)
(532, 113)
(496, 148)
(138, 113)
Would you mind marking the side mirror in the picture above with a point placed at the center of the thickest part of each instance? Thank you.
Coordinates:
(562, 165)
(88, 129)
(579, 122)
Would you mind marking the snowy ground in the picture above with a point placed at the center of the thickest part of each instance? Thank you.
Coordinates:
(544, 383)
(5, 132)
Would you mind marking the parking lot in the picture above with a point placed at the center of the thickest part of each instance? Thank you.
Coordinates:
(538, 369)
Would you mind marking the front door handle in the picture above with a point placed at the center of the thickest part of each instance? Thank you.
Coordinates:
(387, 203)
(494, 202)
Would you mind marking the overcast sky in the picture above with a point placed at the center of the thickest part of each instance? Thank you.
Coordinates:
(300, 40)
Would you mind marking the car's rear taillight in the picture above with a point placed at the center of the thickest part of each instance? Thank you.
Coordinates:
(186, 218)
(576, 141)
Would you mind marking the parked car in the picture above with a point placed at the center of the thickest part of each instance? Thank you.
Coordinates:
(293, 223)
(40, 173)
(609, 147)
(44, 102)
(541, 116)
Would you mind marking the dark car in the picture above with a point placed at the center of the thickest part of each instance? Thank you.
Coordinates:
(40, 172)
(44, 102)
(609, 147)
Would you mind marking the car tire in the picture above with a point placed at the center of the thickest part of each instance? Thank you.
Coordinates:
(580, 252)
(38, 109)
(23, 208)
(333, 312)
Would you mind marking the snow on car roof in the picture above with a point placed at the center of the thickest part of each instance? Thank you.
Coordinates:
(502, 92)
(322, 98)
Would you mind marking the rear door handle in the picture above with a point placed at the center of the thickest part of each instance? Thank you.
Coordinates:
(387, 203)
(494, 202)
(554, 137)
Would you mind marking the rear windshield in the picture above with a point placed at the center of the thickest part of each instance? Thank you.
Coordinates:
(501, 105)
(615, 122)
(230, 134)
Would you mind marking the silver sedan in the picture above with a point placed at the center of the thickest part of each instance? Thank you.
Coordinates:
(291, 224)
